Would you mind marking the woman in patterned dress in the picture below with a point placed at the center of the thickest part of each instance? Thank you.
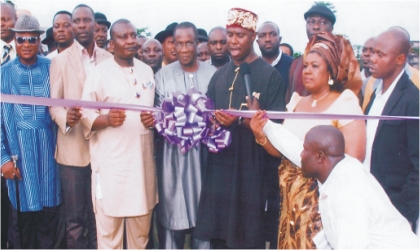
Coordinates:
(330, 67)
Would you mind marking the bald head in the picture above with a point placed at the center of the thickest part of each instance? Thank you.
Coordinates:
(327, 139)
(218, 28)
(402, 38)
(390, 51)
(8, 20)
(323, 148)
(152, 54)
(271, 24)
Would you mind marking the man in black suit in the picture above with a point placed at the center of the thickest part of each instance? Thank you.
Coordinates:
(392, 150)
(268, 40)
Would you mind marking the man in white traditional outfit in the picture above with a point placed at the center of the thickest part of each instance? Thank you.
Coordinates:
(356, 212)
(121, 148)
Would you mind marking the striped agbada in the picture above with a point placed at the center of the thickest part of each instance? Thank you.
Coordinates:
(28, 132)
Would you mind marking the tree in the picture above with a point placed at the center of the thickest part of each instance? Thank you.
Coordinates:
(329, 5)
(297, 54)
(357, 49)
(144, 32)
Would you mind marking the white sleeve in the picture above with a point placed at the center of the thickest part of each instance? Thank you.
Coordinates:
(284, 141)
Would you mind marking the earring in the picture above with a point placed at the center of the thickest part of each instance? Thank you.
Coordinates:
(330, 81)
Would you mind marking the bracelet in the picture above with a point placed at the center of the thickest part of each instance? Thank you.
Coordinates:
(262, 144)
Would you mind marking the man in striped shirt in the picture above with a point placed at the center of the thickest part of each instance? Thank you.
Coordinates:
(28, 142)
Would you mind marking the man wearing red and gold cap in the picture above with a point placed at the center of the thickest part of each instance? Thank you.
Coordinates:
(235, 185)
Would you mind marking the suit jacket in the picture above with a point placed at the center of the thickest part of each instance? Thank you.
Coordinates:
(371, 85)
(283, 67)
(395, 149)
(68, 76)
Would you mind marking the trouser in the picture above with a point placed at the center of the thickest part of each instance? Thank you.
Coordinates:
(5, 206)
(175, 239)
(153, 232)
(111, 229)
(38, 228)
(76, 185)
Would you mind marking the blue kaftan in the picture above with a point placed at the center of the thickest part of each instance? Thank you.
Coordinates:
(28, 132)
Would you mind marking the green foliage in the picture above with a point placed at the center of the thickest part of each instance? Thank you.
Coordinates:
(297, 54)
(329, 5)
(144, 32)
(358, 53)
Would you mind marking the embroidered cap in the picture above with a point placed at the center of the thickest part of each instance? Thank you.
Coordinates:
(242, 18)
(26, 23)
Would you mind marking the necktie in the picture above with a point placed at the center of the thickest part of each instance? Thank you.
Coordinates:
(6, 55)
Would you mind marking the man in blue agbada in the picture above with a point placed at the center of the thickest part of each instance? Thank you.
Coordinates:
(27, 134)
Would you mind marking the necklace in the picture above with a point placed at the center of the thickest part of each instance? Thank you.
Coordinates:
(315, 102)
(231, 87)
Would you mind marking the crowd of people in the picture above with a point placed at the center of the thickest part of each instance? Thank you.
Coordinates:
(74, 177)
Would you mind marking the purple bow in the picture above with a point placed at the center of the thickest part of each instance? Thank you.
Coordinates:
(185, 121)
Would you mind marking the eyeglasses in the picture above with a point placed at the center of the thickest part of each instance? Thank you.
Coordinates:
(30, 39)
(189, 45)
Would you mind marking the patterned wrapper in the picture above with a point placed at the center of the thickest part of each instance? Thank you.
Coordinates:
(185, 121)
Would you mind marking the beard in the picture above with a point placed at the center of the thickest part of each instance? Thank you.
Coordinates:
(271, 53)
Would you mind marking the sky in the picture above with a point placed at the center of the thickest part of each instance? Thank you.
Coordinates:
(358, 20)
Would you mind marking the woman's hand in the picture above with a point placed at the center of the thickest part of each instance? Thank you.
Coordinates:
(257, 124)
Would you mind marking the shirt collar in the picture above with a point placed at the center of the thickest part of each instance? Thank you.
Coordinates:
(274, 63)
(378, 92)
(12, 43)
(84, 53)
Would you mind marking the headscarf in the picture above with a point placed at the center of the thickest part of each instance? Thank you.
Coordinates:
(342, 63)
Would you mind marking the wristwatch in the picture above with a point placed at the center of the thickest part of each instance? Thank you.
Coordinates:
(68, 129)
(240, 121)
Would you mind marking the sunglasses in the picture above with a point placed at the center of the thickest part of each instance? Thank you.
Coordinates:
(30, 39)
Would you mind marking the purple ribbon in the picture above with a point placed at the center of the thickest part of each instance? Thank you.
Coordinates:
(185, 121)
(321, 116)
(54, 102)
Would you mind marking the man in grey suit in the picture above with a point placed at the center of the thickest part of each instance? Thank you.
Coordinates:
(179, 174)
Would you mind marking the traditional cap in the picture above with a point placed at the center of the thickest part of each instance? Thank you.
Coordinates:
(202, 35)
(242, 18)
(322, 10)
(27, 23)
(339, 56)
(49, 37)
(101, 19)
(169, 31)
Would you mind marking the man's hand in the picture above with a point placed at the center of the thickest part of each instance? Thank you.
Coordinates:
(116, 117)
(9, 171)
(224, 119)
(254, 104)
(73, 116)
(147, 119)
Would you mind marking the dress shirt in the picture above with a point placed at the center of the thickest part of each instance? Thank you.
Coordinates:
(89, 62)
(12, 52)
(274, 63)
(356, 213)
(376, 109)
(52, 54)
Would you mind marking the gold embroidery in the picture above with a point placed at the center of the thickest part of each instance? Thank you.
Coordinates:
(231, 87)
